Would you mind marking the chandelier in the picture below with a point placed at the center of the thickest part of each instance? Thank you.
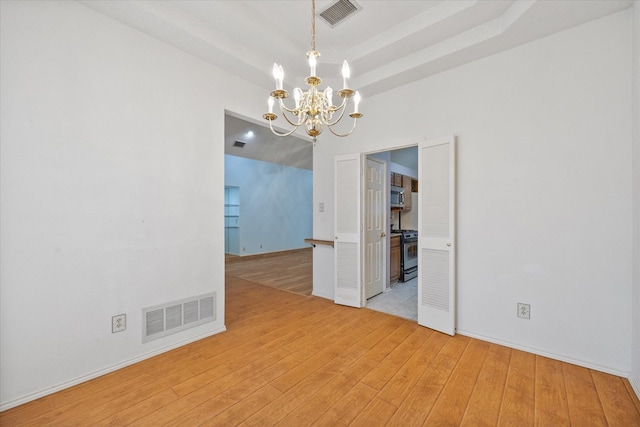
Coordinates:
(314, 108)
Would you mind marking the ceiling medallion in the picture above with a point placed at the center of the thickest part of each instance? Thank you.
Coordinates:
(314, 108)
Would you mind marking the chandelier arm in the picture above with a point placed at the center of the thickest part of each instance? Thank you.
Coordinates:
(342, 109)
(342, 104)
(281, 134)
(345, 134)
(284, 108)
(301, 118)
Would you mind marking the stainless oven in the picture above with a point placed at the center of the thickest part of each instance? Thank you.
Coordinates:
(409, 255)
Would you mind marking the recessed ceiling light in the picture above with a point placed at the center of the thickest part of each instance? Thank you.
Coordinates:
(250, 134)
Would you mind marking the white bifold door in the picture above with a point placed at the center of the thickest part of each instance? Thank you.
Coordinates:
(436, 235)
(347, 227)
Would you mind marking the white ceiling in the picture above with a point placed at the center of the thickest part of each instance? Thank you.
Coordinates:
(261, 144)
(387, 43)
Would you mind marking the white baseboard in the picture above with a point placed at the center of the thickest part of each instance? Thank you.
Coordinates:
(33, 396)
(315, 294)
(635, 385)
(549, 355)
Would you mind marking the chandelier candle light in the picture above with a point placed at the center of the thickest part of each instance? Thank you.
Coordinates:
(313, 108)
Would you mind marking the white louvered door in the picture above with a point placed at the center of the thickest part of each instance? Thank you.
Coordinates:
(436, 235)
(347, 225)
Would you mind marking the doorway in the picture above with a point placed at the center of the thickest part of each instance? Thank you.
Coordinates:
(436, 232)
(400, 295)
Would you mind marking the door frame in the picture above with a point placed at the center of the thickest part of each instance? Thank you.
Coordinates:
(414, 142)
(409, 143)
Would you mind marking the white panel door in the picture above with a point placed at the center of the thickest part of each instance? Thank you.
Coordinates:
(347, 226)
(436, 235)
(375, 227)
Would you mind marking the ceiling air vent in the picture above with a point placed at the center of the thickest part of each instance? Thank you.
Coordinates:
(239, 144)
(339, 11)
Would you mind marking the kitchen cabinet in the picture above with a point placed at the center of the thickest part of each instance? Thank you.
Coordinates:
(394, 258)
(410, 185)
(396, 179)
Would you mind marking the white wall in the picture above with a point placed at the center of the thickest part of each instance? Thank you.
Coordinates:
(111, 191)
(635, 355)
(275, 204)
(544, 188)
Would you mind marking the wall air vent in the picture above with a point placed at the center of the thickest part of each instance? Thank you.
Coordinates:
(339, 11)
(170, 318)
(239, 144)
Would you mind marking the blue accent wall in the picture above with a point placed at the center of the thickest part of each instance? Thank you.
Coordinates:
(276, 203)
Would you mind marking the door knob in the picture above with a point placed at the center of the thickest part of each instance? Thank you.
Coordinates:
(448, 244)
(382, 234)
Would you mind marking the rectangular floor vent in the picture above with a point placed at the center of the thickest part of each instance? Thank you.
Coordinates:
(170, 318)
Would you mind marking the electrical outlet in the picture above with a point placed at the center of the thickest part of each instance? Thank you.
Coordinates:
(524, 311)
(118, 323)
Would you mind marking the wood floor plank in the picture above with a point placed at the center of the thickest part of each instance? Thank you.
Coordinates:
(518, 400)
(422, 397)
(617, 403)
(632, 393)
(300, 372)
(484, 404)
(222, 394)
(319, 337)
(287, 402)
(329, 394)
(27, 412)
(391, 341)
(582, 397)
(109, 405)
(330, 361)
(132, 413)
(348, 408)
(396, 359)
(239, 356)
(378, 412)
(399, 386)
(245, 408)
(454, 399)
(416, 407)
(227, 372)
(551, 396)
(295, 360)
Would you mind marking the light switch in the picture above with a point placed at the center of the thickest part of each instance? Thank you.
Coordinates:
(321, 207)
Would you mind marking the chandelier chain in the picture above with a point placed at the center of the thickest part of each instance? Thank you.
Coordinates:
(313, 25)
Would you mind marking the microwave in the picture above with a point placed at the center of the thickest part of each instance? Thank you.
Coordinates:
(397, 197)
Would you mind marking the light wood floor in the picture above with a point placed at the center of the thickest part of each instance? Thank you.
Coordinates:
(289, 270)
(294, 360)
